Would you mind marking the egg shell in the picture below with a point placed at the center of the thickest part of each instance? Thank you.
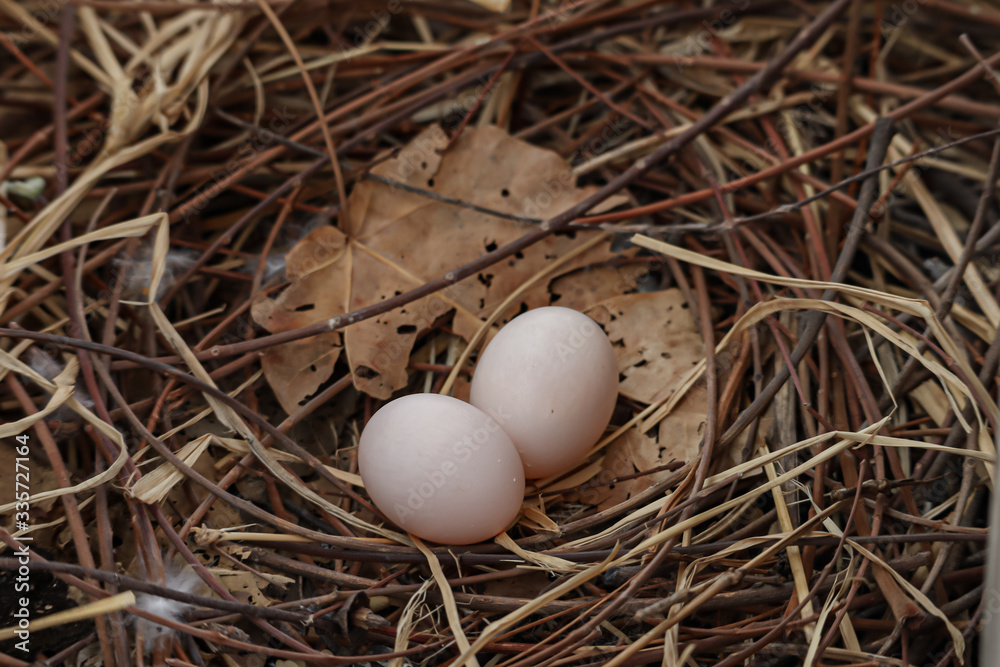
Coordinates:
(441, 469)
(551, 380)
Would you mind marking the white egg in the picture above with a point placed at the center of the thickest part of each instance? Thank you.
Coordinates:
(441, 469)
(550, 378)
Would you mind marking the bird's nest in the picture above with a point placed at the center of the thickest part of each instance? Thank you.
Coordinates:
(232, 230)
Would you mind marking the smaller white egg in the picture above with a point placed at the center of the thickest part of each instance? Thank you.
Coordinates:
(550, 378)
(441, 469)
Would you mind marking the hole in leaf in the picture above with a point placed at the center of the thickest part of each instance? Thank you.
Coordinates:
(430, 183)
(406, 329)
(304, 307)
(491, 246)
(505, 192)
(366, 373)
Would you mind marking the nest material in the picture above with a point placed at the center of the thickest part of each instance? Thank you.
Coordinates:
(782, 215)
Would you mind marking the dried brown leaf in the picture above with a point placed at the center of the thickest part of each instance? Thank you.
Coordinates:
(656, 343)
(655, 339)
(321, 283)
(395, 240)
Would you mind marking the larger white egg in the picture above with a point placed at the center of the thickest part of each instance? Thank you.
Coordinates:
(550, 378)
(441, 469)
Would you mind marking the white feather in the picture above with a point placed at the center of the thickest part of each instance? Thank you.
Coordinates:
(135, 274)
(43, 364)
(49, 367)
(185, 580)
(274, 265)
